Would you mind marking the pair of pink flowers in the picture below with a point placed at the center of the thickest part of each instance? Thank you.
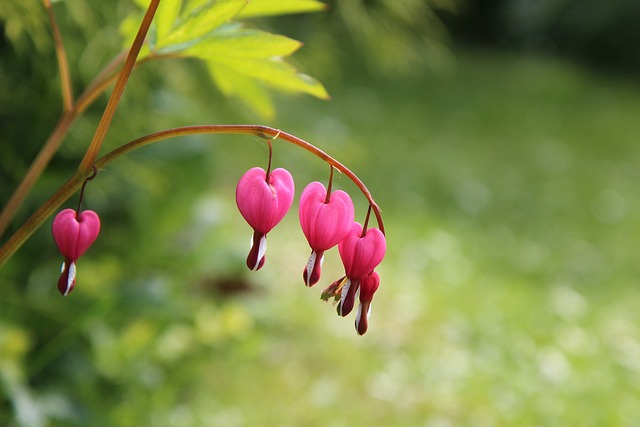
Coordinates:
(327, 220)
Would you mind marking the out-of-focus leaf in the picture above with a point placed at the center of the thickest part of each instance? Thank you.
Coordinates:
(128, 29)
(167, 13)
(202, 21)
(280, 7)
(246, 43)
(255, 55)
(242, 62)
(191, 5)
(251, 92)
(23, 20)
(275, 73)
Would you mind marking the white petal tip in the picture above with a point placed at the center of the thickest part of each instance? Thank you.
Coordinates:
(71, 278)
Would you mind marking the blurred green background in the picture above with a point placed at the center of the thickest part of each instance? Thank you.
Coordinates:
(499, 138)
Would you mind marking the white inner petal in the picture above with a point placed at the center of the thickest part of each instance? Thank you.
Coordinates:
(310, 265)
(343, 295)
(71, 278)
(359, 314)
(62, 268)
(262, 250)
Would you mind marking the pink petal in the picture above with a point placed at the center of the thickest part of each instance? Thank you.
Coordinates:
(74, 235)
(262, 204)
(367, 288)
(324, 224)
(360, 255)
(362, 317)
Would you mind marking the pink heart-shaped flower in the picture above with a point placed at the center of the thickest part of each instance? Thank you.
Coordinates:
(263, 204)
(74, 234)
(368, 287)
(325, 223)
(361, 254)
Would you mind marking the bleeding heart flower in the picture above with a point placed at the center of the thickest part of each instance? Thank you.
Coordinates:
(368, 287)
(263, 202)
(360, 254)
(73, 234)
(325, 221)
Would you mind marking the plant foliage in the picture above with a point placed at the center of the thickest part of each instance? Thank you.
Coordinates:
(242, 61)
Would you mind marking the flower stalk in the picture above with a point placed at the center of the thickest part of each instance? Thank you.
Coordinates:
(99, 84)
(63, 64)
(123, 77)
(76, 181)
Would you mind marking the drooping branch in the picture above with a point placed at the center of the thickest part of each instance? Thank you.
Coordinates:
(76, 181)
(265, 132)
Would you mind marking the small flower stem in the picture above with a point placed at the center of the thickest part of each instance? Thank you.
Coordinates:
(366, 222)
(63, 64)
(328, 198)
(84, 184)
(123, 77)
(75, 182)
(269, 163)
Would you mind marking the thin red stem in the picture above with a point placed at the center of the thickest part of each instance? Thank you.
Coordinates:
(84, 184)
(366, 222)
(270, 157)
(328, 198)
(265, 132)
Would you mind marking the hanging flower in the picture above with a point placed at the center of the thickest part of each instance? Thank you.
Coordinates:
(368, 287)
(73, 234)
(360, 253)
(263, 201)
(325, 218)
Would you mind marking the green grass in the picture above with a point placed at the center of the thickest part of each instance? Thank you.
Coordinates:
(509, 294)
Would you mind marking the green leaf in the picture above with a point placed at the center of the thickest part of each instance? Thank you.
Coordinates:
(275, 73)
(246, 89)
(191, 5)
(129, 28)
(167, 13)
(243, 62)
(257, 55)
(280, 7)
(247, 43)
(202, 21)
